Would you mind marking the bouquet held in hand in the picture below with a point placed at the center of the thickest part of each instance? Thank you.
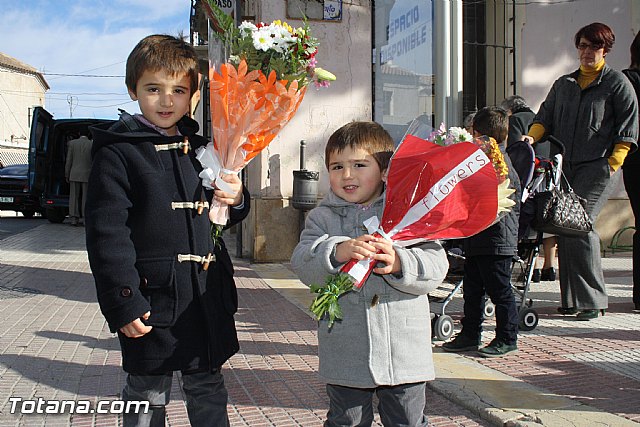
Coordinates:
(440, 189)
(258, 75)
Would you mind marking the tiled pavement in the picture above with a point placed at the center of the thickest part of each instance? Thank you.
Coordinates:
(54, 344)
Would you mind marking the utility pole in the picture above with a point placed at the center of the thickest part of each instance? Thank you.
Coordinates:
(72, 101)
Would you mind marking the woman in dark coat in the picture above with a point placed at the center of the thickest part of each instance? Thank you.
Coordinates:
(594, 112)
(631, 173)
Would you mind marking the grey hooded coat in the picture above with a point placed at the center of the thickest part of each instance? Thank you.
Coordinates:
(385, 335)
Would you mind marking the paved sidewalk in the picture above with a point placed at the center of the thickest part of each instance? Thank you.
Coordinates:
(566, 372)
(54, 343)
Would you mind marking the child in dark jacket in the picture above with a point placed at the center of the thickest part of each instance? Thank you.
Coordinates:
(489, 256)
(161, 282)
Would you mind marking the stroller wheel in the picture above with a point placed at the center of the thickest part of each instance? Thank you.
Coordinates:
(528, 319)
(489, 309)
(443, 327)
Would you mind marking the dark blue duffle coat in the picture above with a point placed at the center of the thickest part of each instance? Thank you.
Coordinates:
(134, 237)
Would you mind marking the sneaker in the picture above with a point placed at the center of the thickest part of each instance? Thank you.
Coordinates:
(461, 343)
(637, 307)
(497, 348)
(535, 277)
(548, 274)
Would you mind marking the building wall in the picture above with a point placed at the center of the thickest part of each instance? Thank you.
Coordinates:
(272, 231)
(20, 93)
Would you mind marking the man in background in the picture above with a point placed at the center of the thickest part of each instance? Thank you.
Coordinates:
(76, 171)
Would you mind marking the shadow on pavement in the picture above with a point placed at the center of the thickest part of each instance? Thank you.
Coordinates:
(20, 281)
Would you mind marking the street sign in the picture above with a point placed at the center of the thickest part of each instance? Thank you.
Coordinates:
(227, 6)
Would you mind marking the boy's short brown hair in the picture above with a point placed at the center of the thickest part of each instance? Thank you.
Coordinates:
(162, 52)
(369, 136)
(493, 122)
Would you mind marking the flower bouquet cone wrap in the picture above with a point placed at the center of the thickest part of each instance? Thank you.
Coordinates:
(433, 192)
(257, 80)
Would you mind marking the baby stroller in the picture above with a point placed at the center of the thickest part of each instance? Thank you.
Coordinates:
(545, 176)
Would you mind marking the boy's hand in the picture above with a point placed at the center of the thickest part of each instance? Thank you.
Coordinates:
(388, 257)
(136, 329)
(358, 248)
(234, 198)
(527, 138)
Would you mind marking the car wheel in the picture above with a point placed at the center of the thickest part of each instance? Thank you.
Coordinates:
(56, 215)
(28, 214)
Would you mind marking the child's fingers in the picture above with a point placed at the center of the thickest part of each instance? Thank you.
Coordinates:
(136, 329)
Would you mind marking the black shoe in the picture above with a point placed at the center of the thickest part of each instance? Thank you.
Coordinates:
(637, 305)
(497, 348)
(461, 343)
(548, 274)
(535, 278)
(589, 314)
(567, 311)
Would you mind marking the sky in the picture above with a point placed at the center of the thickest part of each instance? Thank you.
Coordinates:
(71, 40)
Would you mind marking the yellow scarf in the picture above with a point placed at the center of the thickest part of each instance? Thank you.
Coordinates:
(589, 74)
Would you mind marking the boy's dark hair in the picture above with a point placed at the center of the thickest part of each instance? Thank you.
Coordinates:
(493, 122)
(162, 52)
(370, 136)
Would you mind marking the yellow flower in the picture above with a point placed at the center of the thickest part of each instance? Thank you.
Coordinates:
(284, 25)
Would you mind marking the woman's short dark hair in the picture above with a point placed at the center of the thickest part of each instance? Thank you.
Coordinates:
(597, 33)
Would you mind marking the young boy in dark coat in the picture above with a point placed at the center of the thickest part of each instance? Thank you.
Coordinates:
(489, 255)
(161, 282)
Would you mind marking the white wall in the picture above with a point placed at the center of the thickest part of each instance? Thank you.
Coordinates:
(548, 51)
(20, 92)
(345, 50)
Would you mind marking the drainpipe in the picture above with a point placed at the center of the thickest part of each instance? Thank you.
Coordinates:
(448, 66)
(455, 104)
(442, 51)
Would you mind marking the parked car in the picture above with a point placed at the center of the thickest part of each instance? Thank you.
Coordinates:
(14, 191)
(47, 154)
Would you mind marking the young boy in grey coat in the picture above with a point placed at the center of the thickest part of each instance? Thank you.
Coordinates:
(383, 343)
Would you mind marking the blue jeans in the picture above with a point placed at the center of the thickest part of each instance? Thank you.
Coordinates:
(490, 274)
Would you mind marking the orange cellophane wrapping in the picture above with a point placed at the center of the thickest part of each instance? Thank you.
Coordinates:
(248, 110)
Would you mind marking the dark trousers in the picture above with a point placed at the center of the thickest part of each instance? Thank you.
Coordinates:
(490, 274)
(631, 177)
(205, 392)
(581, 278)
(400, 405)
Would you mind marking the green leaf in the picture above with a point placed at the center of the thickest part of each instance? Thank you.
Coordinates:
(222, 23)
(326, 302)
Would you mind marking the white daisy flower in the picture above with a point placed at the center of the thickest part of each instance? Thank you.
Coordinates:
(262, 40)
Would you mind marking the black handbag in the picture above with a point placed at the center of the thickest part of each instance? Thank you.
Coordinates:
(561, 212)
